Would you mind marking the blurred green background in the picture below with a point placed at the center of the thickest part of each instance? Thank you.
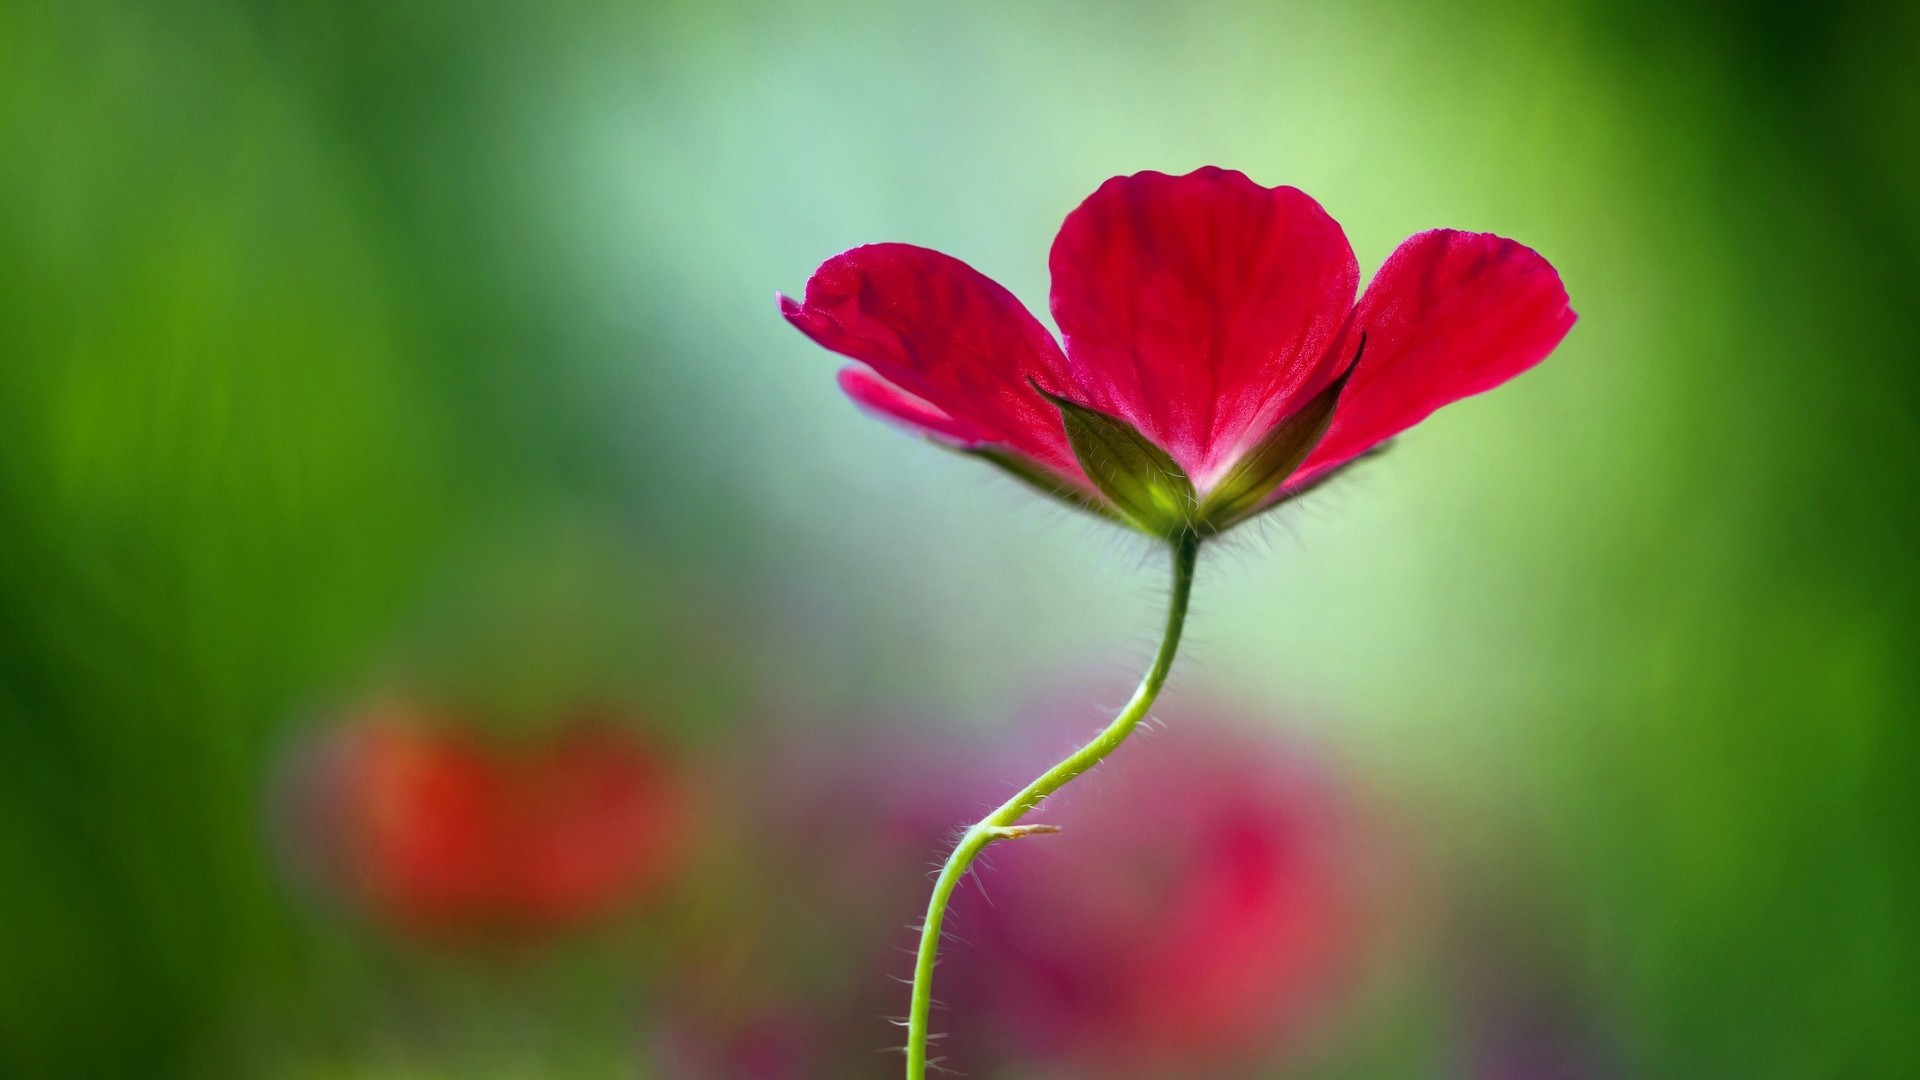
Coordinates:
(352, 345)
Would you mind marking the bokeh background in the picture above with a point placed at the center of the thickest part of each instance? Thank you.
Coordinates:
(372, 359)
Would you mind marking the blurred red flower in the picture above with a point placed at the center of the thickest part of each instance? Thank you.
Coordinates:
(1209, 904)
(1212, 315)
(434, 830)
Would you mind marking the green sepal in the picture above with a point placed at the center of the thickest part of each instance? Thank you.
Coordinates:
(1043, 480)
(1251, 483)
(1148, 489)
(1335, 473)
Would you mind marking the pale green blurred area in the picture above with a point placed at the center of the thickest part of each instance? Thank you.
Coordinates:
(350, 344)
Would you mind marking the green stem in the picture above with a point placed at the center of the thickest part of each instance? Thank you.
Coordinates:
(1004, 822)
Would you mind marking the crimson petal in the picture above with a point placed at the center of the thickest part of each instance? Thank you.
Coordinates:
(1450, 314)
(1199, 308)
(952, 349)
(878, 396)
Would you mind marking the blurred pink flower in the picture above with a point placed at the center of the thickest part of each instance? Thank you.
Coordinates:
(1211, 902)
(1205, 311)
(1215, 895)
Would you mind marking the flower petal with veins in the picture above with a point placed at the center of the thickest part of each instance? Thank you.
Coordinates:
(1199, 308)
(945, 333)
(1450, 314)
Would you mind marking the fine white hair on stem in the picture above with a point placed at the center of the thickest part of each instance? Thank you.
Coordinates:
(979, 882)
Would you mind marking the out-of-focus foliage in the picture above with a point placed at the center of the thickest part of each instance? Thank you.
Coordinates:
(356, 347)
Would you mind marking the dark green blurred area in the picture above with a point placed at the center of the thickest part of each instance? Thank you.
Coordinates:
(358, 344)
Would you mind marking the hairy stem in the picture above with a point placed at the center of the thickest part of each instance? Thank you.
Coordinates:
(1003, 823)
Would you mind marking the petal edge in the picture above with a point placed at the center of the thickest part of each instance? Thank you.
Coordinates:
(881, 398)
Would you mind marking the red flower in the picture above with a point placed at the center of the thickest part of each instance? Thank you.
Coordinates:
(1214, 361)
(435, 831)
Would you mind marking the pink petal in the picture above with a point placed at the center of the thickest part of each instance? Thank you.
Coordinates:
(1199, 307)
(877, 395)
(946, 334)
(1450, 314)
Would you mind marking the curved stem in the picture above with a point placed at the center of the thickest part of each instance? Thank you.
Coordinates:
(1004, 822)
